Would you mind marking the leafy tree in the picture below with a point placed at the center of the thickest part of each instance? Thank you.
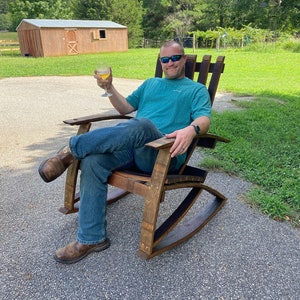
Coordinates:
(33, 9)
(92, 9)
(179, 18)
(130, 14)
(153, 18)
(244, 12)
(167, 19)
(289, 16)
(5, 17)
(5, 21)
(162, 19)
(4, 6)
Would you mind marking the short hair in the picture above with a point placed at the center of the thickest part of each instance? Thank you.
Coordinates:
(173, 42)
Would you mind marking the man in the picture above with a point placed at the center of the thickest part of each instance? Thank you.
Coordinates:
(173, 106)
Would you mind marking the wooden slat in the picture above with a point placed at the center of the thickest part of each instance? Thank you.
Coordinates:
(152, 200)
(122, 182)
(216, 74)
(95, 118)
(161, 143)
(138, 176)
(166, 238)
(203, 69)
(176, 216)
(71, 178)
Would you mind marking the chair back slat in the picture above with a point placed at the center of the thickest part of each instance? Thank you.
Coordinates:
(203, 69)
(190, 66)
(218, 69)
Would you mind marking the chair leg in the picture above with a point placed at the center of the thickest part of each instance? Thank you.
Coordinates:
(71, 180)
(70, 189)
(152, 202)
(169, 235)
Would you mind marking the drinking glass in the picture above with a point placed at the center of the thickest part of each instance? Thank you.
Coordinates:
(104, 72)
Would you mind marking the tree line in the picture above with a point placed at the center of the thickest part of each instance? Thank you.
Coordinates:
(163, 19)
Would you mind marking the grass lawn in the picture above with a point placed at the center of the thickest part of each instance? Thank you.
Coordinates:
(265, 146)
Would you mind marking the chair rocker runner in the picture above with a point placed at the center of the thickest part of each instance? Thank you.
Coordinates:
(170, 233)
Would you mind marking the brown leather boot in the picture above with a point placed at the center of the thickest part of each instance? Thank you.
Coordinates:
(76, 251)
(53, 167)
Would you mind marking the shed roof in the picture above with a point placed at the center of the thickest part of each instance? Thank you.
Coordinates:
(44, 23)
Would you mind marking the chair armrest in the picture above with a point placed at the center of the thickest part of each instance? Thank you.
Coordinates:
(94, 118)
(213, 136)
(161, 143)
(207, 140)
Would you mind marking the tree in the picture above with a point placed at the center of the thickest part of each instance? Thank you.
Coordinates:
(180, 16)
(130, 14)
(92, 9)
(162, 19)
(289, 16)
(5, 18)
(166, 19)
(33, 9)
(153, 18)
(4, 6)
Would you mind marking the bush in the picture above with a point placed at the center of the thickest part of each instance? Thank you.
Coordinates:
(5, 22)
(292, 45)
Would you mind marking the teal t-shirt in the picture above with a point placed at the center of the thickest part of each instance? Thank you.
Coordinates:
(170, 104)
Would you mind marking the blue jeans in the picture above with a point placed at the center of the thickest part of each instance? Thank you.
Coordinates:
(101, 151)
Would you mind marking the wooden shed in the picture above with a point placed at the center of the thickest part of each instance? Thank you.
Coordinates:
(41, 38)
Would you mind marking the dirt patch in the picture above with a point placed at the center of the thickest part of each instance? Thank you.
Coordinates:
(226, 101)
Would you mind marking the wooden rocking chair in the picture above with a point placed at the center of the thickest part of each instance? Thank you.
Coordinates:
(153, 240)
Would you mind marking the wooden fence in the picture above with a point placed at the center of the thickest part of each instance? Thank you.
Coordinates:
(9, 45)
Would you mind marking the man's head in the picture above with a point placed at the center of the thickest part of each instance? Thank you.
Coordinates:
(172, 59)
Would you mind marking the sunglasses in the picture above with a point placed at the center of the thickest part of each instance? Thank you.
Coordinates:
(173, 58)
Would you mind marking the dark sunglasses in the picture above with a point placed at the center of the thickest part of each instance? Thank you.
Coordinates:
(173, 58)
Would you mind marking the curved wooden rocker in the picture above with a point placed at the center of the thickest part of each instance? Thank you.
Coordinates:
(153, 188)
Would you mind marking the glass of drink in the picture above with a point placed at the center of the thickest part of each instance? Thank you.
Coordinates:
(104, 72)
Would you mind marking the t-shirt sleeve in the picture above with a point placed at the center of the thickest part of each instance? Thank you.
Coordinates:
(135, 97)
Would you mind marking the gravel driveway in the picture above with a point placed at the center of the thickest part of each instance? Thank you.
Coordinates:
(240, 254)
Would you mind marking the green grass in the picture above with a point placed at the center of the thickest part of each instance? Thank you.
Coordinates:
(9, 36)
(124, 64)
(264, 150)
(264, 135)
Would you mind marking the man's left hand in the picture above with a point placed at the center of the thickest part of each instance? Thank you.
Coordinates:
(183, 139)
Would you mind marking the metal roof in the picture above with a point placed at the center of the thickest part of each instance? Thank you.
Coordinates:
(71, 23)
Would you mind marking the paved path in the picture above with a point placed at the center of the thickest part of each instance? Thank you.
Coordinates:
(240, 254)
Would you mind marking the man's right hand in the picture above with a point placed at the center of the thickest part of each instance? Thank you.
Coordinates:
(104, 83)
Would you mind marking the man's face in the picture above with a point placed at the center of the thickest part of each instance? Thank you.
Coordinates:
(173, 70)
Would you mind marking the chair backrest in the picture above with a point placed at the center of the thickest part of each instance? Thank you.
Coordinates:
(205, 69)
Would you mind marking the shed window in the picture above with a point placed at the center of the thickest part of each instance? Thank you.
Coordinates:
(99, 34)
(102, 33)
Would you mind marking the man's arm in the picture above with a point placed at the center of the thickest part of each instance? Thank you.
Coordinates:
(119, 102)
(203, 124)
